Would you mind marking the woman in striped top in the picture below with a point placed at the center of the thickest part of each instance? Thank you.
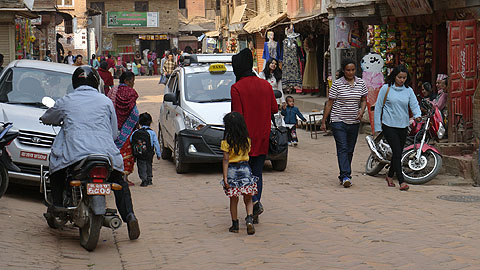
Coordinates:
(346, 103)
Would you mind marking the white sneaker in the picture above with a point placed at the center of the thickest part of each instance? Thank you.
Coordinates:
(289, 144)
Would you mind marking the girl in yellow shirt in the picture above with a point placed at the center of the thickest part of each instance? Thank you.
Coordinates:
(237, 174)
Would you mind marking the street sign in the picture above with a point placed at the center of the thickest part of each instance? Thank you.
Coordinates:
(132, 19)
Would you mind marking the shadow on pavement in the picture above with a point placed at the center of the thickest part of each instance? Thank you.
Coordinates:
(24, 192)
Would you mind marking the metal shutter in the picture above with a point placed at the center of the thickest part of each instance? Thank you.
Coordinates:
(5, 42)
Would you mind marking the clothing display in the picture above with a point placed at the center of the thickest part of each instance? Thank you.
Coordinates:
(291, 76)
(310, 77)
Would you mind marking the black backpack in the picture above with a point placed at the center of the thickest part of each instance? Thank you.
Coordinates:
(141, 144)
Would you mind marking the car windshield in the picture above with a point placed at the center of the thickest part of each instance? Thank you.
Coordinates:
(208, 87)
(30, 85)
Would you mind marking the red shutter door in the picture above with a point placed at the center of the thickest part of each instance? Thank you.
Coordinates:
(462, 67)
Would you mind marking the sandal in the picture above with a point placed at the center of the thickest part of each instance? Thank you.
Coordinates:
(390, 184)
(404, 187)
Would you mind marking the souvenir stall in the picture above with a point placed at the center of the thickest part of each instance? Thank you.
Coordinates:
(24, 39)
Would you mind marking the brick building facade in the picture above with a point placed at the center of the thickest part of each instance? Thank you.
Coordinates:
(126, 40)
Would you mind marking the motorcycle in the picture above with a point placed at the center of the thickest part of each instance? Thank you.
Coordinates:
(421, 161)
(84, 202)
(6, 164)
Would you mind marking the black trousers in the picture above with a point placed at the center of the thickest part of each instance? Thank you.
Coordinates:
(396, 138)
(123, 197)
(145, 170)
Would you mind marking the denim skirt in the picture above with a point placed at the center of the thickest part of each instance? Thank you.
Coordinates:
(240, 179)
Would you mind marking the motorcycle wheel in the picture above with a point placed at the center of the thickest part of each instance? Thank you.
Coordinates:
(420, 173)
(3, 180)
(90, 233)
(373, 165)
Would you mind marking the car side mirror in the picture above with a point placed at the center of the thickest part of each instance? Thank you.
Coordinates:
(170, 97)
(277, 93)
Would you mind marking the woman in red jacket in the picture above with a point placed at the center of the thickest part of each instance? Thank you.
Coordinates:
(254, 99)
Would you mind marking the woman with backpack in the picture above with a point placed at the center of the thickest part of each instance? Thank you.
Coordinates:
(124, 99)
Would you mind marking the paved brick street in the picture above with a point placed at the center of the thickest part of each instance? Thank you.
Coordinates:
(310, 222)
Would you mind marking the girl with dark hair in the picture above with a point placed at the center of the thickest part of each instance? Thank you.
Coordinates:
(273, 75)
(124, 99)
(347, 100)
(392, 118)
(427, 91)
(238, 178)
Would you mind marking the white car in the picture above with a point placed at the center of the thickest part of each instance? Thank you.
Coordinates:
(23, 85)
(197, 97)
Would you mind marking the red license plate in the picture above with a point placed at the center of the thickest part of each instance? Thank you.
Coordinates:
(33, 155)
(98, 189)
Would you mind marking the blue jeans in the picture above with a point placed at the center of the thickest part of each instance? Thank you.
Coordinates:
(345, 138)
(256, 163)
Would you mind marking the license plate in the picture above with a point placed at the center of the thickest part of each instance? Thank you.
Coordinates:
(98, 189)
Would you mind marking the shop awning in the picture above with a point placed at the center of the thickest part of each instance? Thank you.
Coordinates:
(403, 8)
(212, 34)
(191, 28)
(262, 21)
(238, 13)
(187, 38)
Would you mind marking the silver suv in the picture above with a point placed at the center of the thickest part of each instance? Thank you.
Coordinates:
(23, 85)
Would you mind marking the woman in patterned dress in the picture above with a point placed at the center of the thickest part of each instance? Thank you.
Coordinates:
(124, 99)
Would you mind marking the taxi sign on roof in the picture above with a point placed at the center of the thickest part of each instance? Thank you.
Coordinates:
(217, 68)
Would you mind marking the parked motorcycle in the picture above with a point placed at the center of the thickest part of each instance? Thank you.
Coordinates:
(6, 164)
(421, 162)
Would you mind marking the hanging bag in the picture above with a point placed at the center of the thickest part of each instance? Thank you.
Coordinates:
(383, 105)
(278, 139)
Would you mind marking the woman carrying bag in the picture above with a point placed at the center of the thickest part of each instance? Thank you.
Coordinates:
(392, 117)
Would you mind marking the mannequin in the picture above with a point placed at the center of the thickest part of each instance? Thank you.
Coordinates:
(271, 48)
(292, 78)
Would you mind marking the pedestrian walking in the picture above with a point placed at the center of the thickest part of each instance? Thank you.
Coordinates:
(69, 59)
(124, 98)
(238, 178)
(273, 74)
(106, 77)
(48, 56)
(169, 66)
(347, 100)
(78, 60)
(392, 118)
(94, 62)
(290, 113)
(145, 145)
(254, 99)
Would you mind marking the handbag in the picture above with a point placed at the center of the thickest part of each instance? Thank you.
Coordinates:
(278, 141)
(163, 79)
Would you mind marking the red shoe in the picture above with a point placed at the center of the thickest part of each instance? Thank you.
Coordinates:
(390, 184)
(130, 183)
(404, 187)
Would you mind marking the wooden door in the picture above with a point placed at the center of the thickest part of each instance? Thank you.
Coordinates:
(462, 68)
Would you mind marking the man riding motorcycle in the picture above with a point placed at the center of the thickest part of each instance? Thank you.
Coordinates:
(88, 126)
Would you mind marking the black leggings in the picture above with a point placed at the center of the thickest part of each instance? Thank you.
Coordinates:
(396, 138)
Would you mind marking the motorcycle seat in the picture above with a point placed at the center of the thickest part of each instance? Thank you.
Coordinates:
(93, 157)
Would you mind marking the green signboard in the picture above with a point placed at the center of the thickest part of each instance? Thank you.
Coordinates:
(132, 19)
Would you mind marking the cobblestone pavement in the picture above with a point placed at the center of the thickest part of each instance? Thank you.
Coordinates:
(310, 222)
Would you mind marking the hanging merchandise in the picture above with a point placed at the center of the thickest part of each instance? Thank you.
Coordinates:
(24, 38)
(232, 45)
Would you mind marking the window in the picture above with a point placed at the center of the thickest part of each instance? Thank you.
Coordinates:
(182, 4)
(141, 6)
(100, 6)
(65, 3)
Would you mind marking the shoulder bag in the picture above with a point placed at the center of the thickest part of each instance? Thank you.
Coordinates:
(278, 141)
(383, 105)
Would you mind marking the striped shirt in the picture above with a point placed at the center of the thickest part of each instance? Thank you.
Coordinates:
(346, 98)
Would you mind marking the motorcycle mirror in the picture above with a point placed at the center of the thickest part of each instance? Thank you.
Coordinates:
(48, 101)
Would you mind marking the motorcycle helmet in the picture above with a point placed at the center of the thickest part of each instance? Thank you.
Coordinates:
(85, 75)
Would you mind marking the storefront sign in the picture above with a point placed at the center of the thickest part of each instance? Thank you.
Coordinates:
(80, 39)
(132, 19)
(153, 37)
(211, 45)
(402, 8)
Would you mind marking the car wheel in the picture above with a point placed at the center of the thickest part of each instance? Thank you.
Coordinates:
(180, 166)
(166, 152)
